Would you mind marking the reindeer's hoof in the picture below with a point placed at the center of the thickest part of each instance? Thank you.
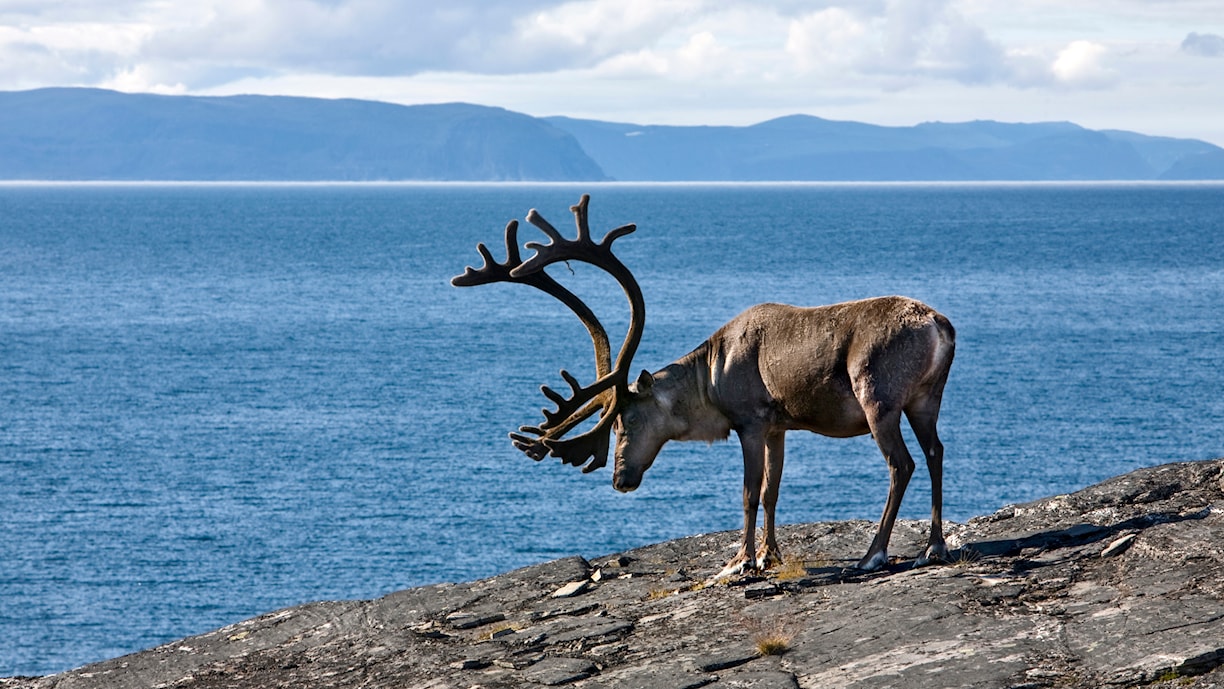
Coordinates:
(736, 568)
(935, 553)
(873, 562)
(769, 560)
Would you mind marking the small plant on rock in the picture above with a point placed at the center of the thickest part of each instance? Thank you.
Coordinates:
(964, 557)
(770, 637)
(658, 592)
(791, 569)
(772, 645)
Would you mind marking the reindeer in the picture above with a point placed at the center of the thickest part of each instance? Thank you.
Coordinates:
(842, 370)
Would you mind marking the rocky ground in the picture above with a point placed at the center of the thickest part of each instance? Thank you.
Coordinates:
(1119, 584)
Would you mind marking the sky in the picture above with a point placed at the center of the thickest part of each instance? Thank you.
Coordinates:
(1152, 66)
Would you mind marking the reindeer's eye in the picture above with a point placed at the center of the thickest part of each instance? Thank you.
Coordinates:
(628, 417)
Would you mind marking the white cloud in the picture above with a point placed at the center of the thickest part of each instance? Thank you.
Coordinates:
(694, 61)
(90, 37)
(928, 38)
(1082, 63)
(141, 79)
(828, 40)
(703, 56)
(590, 30)
(393, 38)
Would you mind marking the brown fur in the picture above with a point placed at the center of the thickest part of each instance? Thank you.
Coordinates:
(842, 370)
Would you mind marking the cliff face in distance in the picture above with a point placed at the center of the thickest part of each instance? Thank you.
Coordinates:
(1119, 584)
(807, 148)
(91, 134)
(88, 134)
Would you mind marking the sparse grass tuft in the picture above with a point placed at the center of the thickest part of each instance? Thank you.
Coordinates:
(659, 592)
(772, 637)
(771, 645)
(964, 557)
(791, 569)
(696, 586)
(1174, 678)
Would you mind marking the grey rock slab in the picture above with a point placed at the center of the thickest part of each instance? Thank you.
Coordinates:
(650, 678)
(556, 671)
(762, 589)
(592, 630)
(421, 604)
(519, 661)
(471, 620)
(572, 589)
(471, 664)
(528, 583)
(567, 608)
(311, 623)
(1118, 546)
(1141, 639)
(1038, 608)
(725, 659)
(942, 650)
(758, 680)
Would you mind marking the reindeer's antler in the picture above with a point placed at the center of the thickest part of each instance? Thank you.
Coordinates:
(611, 386)
(555, 424)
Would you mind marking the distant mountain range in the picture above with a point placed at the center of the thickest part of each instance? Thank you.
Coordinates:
(91, 134)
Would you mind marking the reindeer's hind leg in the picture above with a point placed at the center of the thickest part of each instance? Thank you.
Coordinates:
(885, 423)
(923, 421)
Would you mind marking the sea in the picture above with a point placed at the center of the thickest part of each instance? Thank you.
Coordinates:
(218, 400)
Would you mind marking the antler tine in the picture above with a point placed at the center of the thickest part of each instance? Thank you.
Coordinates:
(567, 407)
(534, 217)
(512, 247)
(582, 248)
(584, 229)
(583, 403)
(593, 445)
(491, 270)
(580, 218)
(536, 448)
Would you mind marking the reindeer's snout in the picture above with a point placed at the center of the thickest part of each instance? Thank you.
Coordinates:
(631, 465)
(625, 478)
(626, 485)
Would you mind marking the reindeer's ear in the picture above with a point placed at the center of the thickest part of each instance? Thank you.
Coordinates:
(645, 382)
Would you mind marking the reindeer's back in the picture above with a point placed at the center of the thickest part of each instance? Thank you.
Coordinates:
(805, 362)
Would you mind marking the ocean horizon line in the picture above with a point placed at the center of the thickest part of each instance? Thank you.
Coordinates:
(611, 183)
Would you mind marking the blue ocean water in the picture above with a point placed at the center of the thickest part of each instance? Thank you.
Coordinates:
(219, 400)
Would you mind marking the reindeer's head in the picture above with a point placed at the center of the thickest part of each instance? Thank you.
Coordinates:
(645, 423)
(610, 393)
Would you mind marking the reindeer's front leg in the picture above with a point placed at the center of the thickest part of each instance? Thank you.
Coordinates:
(753, 446)
(775, 447)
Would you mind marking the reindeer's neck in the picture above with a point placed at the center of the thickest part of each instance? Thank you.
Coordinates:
(687, 383)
